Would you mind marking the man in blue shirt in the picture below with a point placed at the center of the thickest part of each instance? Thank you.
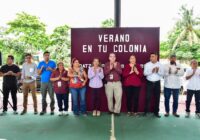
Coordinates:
(45, 68)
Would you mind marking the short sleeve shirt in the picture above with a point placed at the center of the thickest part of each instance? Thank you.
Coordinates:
(9, 80)
(46, 74)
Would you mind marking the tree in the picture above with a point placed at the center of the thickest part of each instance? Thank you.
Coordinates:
(184, 39)
(26, 33)
(186, 28)
(108, 23)
(29, 31)
(60, 44)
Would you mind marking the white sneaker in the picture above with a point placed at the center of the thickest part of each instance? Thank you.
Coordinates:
(65, 113)
(129, 114)
(187, 115)
(98, 113)
(94, 113)
(60, 113)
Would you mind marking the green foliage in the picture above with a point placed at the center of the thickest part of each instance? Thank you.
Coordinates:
(107, 23)
(184, 38)
(165, 50)
(29, 31)
(26, 33)
(60, 44)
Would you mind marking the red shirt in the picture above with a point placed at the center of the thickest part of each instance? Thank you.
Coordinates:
(132, 79)
(60, 86)
(112, 75)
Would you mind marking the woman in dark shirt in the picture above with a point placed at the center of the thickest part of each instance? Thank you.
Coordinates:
(59, 78)
(132, 75)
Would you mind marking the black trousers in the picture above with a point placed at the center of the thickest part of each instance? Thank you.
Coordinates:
(96, 99)
(132, 94)
(6, 92)
(152, 88)
(190, 94)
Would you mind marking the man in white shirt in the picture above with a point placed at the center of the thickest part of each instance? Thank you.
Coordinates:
(29, 75)
(153, 71)
(193, 87)
(172, 84)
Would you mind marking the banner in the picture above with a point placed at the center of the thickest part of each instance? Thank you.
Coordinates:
(87, 43)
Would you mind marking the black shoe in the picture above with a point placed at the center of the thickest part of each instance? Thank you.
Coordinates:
(4, 112)
(23, 112)
(110, 113)
(144, 114)
(198, 115)
(35, 112)
(15, 112)
(176, 115)
(167, 115)
(52, 113)
(43, 112)
(117, 114)
(157, 115)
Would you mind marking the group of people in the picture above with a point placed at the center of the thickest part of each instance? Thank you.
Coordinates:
(56, 79)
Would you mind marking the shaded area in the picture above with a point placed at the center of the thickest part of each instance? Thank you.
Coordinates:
(151, 128)
(30, 127)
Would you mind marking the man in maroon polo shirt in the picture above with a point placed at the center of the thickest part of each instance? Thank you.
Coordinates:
(113, 87)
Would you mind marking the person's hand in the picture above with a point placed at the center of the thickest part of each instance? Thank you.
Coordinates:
(95, 70)
(27, 77)
(194, 71)
(135, 70)
(131, 71)
(153, 70)
(111, 66)
(42, 67)
(83, 84)
(115, 64)
(59, 77)
(21, 81)
(5, 74)
(12, 73)
(9, 73)
(177, 69)
(157, 69)
(49, 68)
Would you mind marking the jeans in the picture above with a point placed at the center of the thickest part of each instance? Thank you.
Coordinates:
(167, 93)
(153, 88)
(189, 99)
(62, 98)
(78, 98)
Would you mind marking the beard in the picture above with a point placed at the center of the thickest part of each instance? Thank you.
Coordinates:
(173, 63)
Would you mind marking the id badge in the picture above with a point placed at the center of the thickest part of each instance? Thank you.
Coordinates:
(31, 70)
(59, 84)
(111, 76)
